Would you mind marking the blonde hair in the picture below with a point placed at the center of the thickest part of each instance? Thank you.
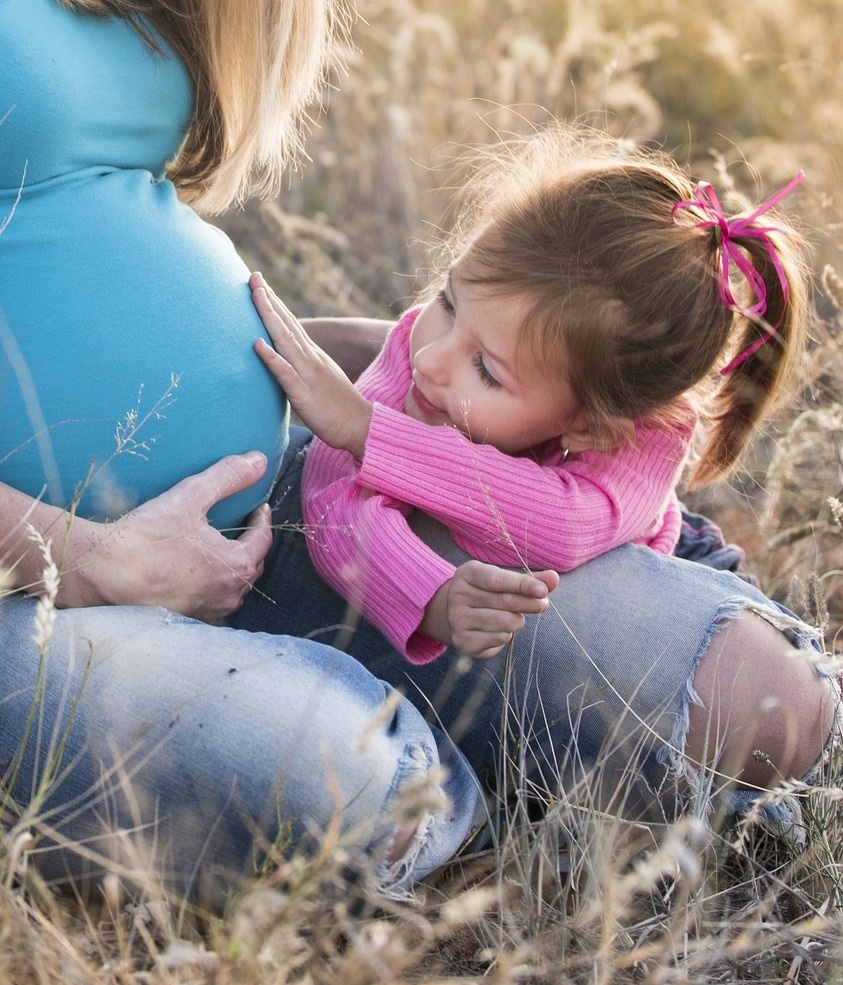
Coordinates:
(256, 67)
(622, 299)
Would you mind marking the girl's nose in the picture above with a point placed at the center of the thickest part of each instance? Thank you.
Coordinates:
(432, 361)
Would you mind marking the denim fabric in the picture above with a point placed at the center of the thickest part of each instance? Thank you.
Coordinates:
(187, 749)
(702, 540)
(593, 695)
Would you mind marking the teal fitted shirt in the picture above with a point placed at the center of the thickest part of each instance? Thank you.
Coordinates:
(126, 324)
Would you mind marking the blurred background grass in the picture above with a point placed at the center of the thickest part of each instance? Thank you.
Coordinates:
(714, 84)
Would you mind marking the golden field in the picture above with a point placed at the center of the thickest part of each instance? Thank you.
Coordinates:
(745, 94)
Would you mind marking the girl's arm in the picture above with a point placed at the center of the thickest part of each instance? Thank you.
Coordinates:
(512, 510)
(162, 553)
(361, 544)
(502, 509)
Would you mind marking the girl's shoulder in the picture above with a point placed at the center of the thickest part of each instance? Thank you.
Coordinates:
(405, 323)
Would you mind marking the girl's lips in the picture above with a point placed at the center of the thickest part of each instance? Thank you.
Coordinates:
(423, 404)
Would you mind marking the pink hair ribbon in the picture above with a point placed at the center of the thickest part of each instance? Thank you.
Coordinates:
(705, 200)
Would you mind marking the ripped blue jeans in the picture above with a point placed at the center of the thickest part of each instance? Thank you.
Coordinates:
(157, 747)
(592, 695)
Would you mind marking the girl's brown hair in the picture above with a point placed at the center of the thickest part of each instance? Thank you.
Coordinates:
(622, 298)
(256, 66)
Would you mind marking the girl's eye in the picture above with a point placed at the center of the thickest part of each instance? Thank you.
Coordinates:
(485, 376)
(445, 301)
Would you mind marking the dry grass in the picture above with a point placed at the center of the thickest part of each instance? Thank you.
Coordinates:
(689, 906)
(714, 85)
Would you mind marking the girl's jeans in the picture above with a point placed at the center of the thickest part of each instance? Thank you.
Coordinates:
(592, 696)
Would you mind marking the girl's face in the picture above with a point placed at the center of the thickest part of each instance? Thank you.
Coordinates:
(466, 374)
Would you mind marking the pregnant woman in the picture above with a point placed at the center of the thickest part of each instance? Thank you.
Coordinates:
(131, 735)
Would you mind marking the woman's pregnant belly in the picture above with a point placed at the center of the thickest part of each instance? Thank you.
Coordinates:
(127, 328)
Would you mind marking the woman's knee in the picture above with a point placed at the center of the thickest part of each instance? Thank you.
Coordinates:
(765, 713)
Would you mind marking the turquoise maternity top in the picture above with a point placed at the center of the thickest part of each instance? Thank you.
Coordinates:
(126, 324)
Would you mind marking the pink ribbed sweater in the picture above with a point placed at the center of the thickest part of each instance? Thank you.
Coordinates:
(530, 510)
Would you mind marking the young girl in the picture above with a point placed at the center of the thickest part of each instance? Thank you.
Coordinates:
(540, 405)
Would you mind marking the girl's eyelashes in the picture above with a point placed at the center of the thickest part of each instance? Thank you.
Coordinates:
(485, 376)
(445, 301)
(482, 370)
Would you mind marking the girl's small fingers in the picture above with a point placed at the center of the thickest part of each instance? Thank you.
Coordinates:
(273, 319)
(260, 300)
(500, 581)
(536, 588)
(493, 647)
(267, 302)
(275, 326)
(287, 317)
(497, 624)
(549, 578)
(487, 654)
(509, 602)
(266, 352)
(274, 361)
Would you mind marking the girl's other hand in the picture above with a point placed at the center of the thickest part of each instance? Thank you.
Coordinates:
(479, 610)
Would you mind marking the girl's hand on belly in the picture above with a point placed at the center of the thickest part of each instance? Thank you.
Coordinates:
(319, 390)
(166, 553)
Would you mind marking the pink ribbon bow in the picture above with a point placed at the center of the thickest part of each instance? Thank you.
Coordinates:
(705, 200)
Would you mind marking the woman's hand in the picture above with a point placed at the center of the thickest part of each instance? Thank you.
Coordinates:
(319, 390)
(166, 553)
(479, 610)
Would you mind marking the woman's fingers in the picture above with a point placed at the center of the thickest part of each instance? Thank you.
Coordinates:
(166, 553)
(224, 478)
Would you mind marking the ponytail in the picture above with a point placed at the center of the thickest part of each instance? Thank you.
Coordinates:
(771, 329)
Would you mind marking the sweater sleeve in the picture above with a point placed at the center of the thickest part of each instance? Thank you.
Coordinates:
(359, 540)
(362, 546)
(517, 510)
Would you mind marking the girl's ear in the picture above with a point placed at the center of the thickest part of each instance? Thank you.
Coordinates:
(576, 441)
(578, 434)
(582, 435)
